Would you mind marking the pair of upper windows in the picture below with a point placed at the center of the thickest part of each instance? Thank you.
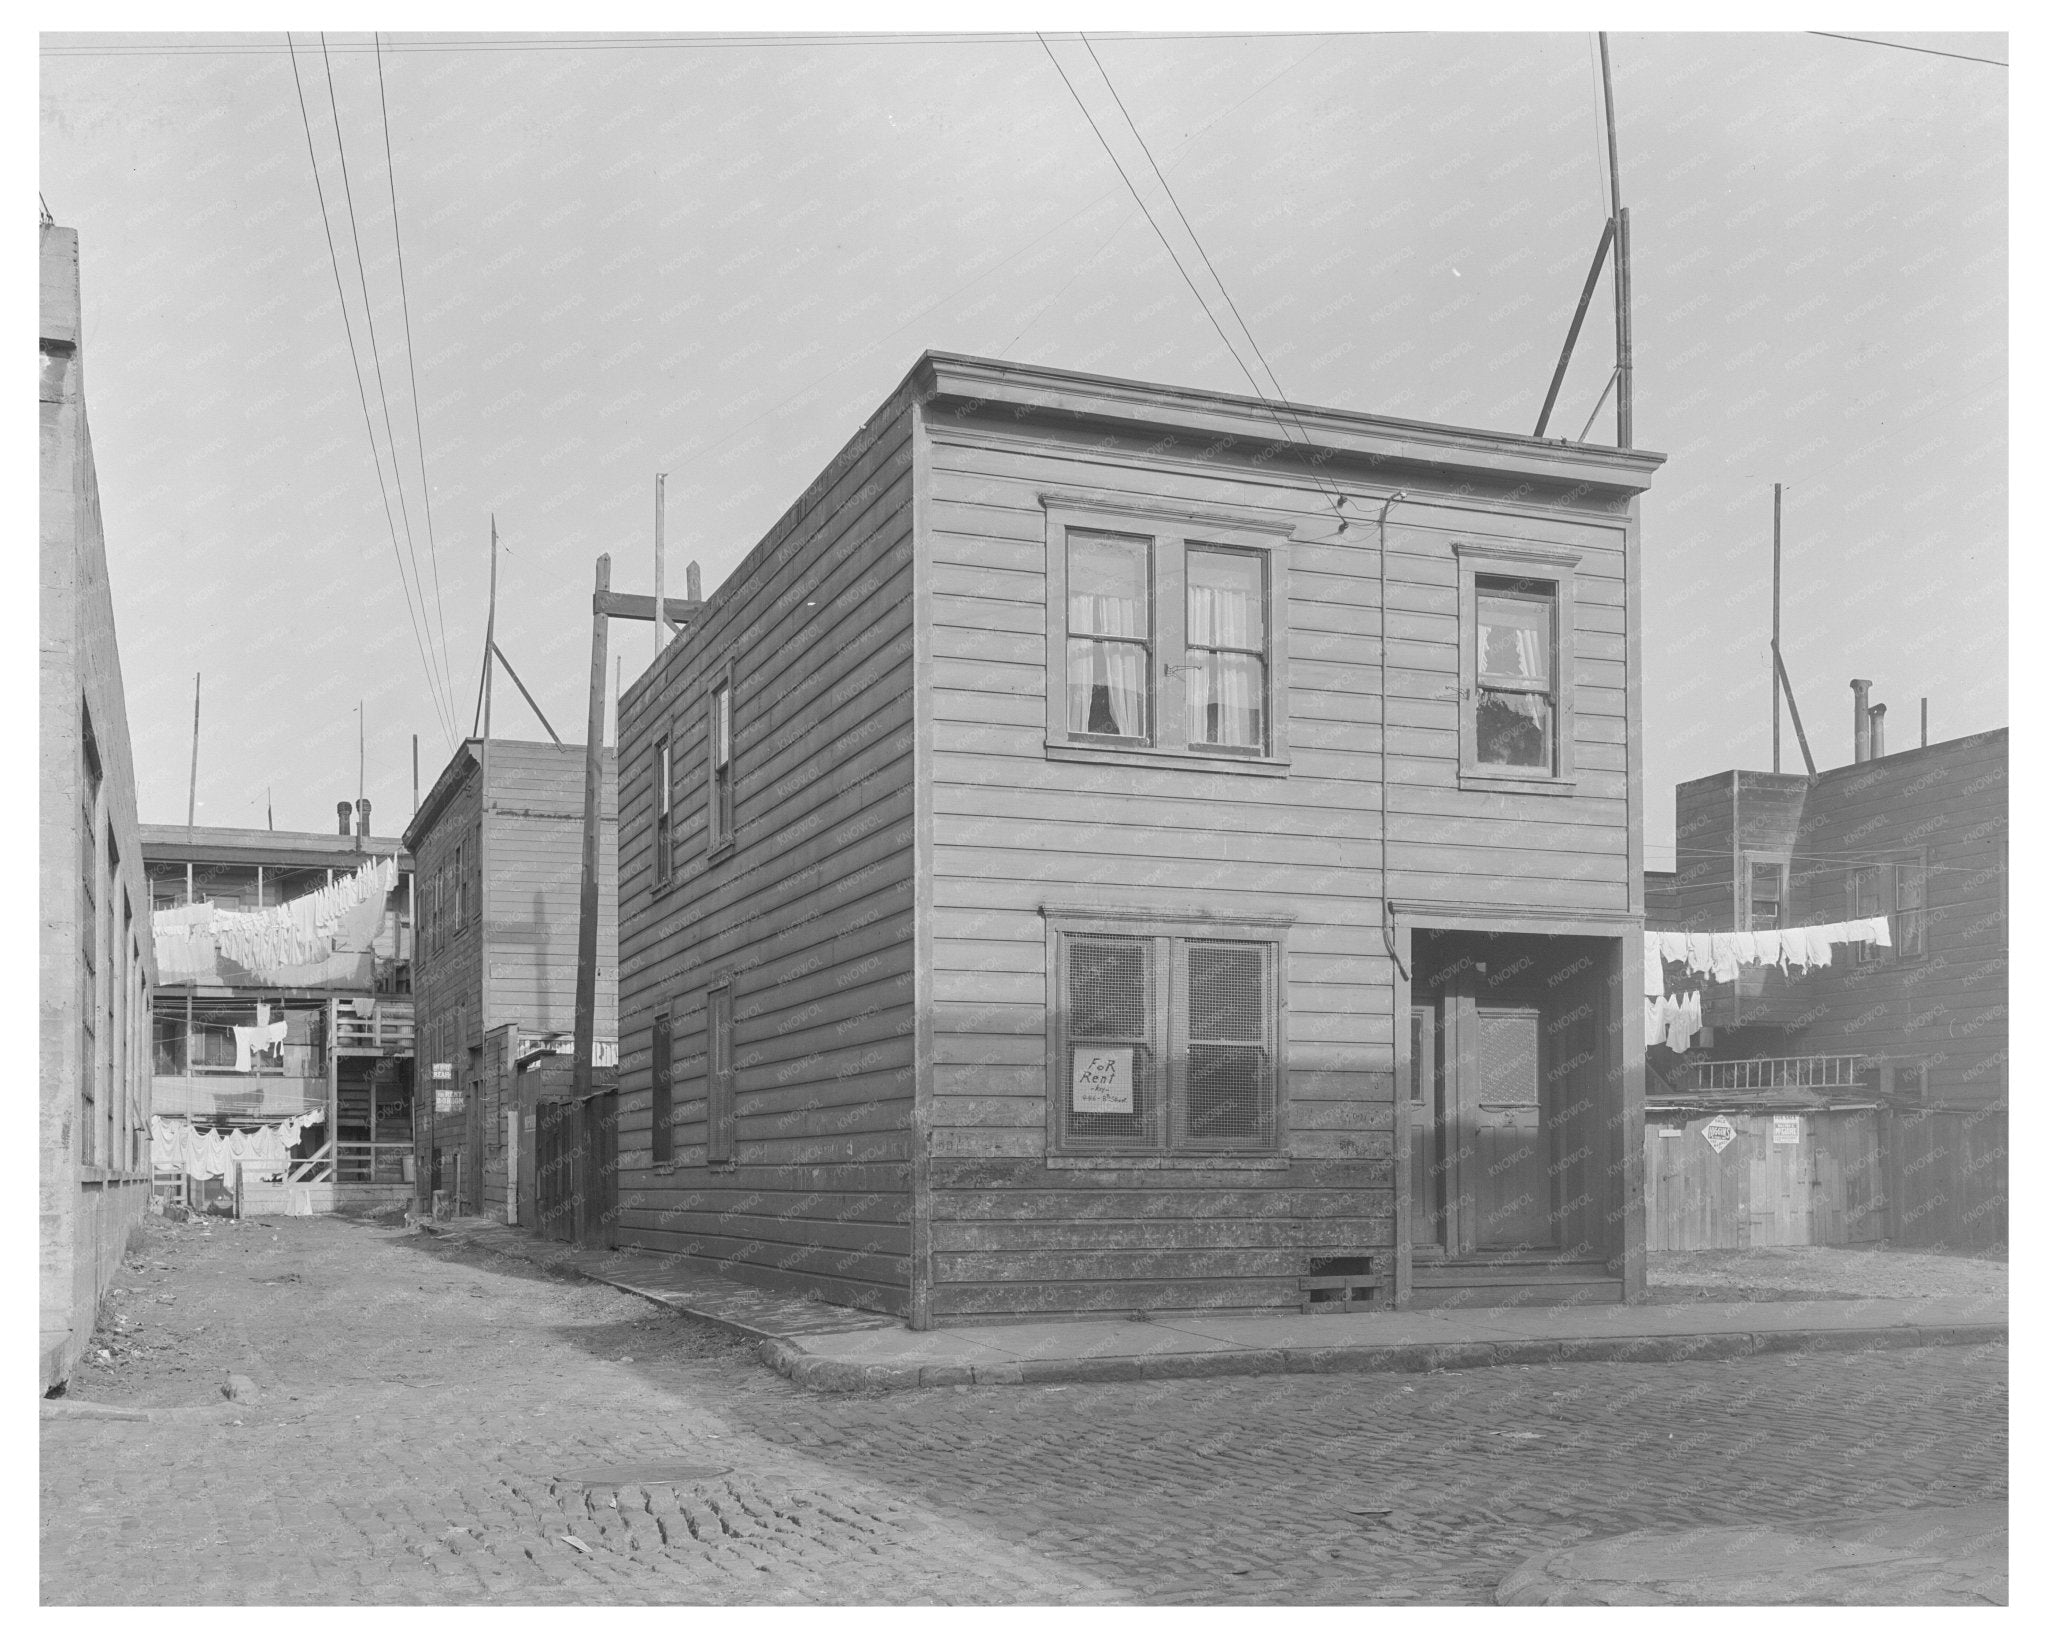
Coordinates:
(1115, 658)
(718, 741)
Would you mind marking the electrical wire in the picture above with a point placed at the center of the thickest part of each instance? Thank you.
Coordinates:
(702, 42)
(377, 356)
(363, 397)
(411, 372)
(1196, 240)
(1207, 311)
(1896, 45)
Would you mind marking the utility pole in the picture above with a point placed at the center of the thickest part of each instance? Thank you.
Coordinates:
(415, 773)
(661, 626)
(593, 794)
(1777, 584)
(1624, 360)
(192, 791)
(361, 761)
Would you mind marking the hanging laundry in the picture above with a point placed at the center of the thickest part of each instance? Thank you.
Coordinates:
(1671, 946)
(1722, 963)
(1653, 965)
(1770, 948)
(1685, 1022)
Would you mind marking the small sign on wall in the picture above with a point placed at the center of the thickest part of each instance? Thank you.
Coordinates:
(1102, 1081)
(1785, 1129)
(1718, 1133)
(447, 1100)
(444, 1072)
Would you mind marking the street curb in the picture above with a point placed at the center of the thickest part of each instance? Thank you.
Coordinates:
(808, 1370)
(789, 1357)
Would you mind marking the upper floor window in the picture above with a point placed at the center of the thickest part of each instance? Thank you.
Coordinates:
(1163, 644)
(720, 740)
(1764, 905)
(1898, 890)
(664, 812)
(1516, 618)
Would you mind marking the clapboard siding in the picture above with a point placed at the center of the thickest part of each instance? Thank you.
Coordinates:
(1012, 830)
(808, 915)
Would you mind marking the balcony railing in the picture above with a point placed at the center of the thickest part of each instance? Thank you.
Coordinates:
(1762, 1074)
(371, 1162)
(388, 1030)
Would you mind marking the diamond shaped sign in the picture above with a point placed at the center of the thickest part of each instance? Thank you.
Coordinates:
(1718, 1133)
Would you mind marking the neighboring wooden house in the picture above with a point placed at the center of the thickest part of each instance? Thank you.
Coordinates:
(499, 844)
(98, 965)
(347, 1052)
(1024, 913)
(1915, 1035)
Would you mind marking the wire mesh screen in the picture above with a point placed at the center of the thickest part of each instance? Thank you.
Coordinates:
(1229, 1064)
(1111, 1072)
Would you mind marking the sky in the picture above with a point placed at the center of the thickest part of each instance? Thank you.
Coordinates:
(714, 256)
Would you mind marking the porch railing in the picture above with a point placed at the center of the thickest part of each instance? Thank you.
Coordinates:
(388, 1031)
(318, 1167)
(371, 1162)
(1761, 1074)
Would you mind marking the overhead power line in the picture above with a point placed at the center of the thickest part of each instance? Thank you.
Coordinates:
(1900, 45)
(363, 397)
(691, 42)
(1207, 311)
(411, 372)
(377, 357)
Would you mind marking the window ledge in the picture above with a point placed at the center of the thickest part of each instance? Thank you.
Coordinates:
(1263, 1161)
(1134, 756)
(1470, 779)
(713, 854)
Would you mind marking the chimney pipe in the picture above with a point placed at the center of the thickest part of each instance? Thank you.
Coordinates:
(1876, 732)
(341, 811)
(1860, 687)
(363, 811)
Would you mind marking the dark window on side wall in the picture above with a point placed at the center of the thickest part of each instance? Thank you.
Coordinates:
(718, 1078)
(664, 1090)
(664, 812)
(720, 726)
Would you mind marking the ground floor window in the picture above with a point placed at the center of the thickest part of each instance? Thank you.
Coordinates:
(1165, 1037)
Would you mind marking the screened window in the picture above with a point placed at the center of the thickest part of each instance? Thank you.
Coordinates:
(1226, 666)
(719, 1111)
(720, 736)
(663, 1077)
(664, 812)
(1517, 686)
(1766, 895)
(1109, 635)
(1166, 1043)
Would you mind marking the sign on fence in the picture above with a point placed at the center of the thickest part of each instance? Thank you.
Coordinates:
(1785, 1129)
(1718, 1133)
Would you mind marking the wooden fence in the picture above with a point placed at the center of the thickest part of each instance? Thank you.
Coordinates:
(1948, 1178)
(1808, 1179)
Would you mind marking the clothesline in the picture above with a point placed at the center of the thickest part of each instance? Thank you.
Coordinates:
(179, 1146)
(1720, 956)
(344, 915)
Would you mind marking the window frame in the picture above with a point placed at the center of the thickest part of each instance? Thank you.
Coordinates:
(1169, 532)
(661, 1082)
(1889, 874)
(664, 810)
(719, 842)
(1745, 909)
(1517, 560)
(721, 1098)
(1170, 935)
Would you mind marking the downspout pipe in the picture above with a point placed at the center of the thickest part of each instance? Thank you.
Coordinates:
(1386, 895)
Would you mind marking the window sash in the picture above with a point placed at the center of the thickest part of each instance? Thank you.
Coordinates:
(719, 1112)
(662, 1076)
(719, 733)
(1204, 1075)
(664, 811)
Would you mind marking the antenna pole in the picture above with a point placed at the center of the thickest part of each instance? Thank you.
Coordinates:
(1624, 359)
(660, 563)
(192, 791)
(1777, 582)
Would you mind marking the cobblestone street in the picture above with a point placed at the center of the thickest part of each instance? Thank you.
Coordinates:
(435, 1425)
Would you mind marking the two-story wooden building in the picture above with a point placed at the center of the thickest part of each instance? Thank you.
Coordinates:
(1114, 847)
(499, 844)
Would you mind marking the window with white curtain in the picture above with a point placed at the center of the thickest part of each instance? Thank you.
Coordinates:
(1517, 616)
(1166, 638)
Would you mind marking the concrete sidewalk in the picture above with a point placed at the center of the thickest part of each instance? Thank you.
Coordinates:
(1924, 1555)
(839, 1349)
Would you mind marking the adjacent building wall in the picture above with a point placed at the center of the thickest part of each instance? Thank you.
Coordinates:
(97, 958)
(808, 915)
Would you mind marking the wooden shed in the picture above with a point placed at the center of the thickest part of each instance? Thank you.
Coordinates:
(1110, 849)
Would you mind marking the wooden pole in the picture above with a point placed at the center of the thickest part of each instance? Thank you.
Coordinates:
(1624, 364)
(661, 626)
(361, 760)
(1571, 338)
(483, 801)
(1777, 582)
(192, 791)
(1923, 722)
(593, 790)
(415, 773)
(1799, 728)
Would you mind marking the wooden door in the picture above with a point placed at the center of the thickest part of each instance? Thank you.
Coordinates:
(599, 1169)
(1427, 1161)
(554, 1169)
(1503, 1188)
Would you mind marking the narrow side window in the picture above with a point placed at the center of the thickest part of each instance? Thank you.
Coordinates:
(664, 812)
(1517, 686)
(720, 736)
(718, 1078)
(664, 1089)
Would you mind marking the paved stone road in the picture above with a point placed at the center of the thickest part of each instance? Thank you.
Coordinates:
(434, 1425)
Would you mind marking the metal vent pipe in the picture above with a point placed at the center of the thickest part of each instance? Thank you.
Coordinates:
(1860, 687)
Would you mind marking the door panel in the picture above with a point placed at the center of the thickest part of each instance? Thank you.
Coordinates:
(1427, 1181)
(1512, 1181)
